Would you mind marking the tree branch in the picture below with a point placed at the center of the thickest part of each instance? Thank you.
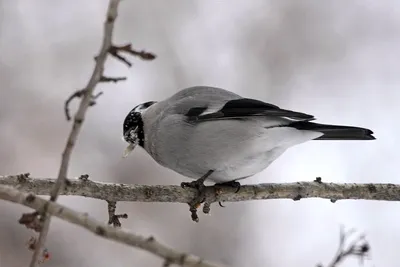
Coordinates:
(120, 235)
(175, 193)
(112, 13)
(114, 51)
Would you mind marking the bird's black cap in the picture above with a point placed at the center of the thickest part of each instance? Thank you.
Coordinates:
(134, 121)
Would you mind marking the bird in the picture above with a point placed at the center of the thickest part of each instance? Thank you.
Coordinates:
(210, 133)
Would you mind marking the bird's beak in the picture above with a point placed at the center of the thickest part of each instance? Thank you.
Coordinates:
(129, 149)
(131, 138)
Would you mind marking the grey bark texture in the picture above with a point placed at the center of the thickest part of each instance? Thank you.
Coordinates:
(174, 193)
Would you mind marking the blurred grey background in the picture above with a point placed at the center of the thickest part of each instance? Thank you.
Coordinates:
(336, 60)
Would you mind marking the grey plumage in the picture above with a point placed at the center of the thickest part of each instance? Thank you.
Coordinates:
(205, 128)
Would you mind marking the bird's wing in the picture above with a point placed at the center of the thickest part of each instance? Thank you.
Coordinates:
(241, 108)
(203, 93)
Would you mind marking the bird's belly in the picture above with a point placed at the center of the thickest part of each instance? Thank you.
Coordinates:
(242, 167)
(235, 167)
(232, 149)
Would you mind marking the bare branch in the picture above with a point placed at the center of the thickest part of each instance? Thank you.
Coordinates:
(120, 235)
(79, 94)
(174, 193)
(86, 95)
(76, 94)
(93, 98)
(115, 52)
(358, 248)
(106, 79)
(143, 55)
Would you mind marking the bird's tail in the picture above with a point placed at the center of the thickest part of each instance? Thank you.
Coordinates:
(335, 132)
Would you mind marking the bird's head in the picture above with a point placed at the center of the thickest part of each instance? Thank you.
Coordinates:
(133, 132)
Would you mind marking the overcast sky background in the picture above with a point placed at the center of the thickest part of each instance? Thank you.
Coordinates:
(336, 60)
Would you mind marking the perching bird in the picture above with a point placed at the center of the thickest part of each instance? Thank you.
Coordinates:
(210, 133)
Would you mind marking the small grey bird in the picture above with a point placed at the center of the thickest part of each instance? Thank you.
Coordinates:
(211, 133)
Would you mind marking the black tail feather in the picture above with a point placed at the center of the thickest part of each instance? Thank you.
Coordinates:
(335, 132)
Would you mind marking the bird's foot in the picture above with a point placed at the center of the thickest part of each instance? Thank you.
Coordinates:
(201, 195)
(233, 184)
(197, 184)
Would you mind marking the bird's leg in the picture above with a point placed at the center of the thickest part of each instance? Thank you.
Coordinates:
(199, 185)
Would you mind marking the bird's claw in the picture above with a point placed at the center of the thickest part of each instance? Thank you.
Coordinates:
(196, 203)
(193, 211)
(201, 196)
(233, 184)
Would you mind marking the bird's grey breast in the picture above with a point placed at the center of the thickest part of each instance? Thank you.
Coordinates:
(233, 148)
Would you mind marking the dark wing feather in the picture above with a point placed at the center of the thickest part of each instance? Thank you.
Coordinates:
(245, 107)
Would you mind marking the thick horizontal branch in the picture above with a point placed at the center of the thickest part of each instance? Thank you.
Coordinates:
(120, 235)
(174, 193)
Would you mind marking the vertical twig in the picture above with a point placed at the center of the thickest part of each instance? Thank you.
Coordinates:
(112, 217)
(358, 248)
(112, 13)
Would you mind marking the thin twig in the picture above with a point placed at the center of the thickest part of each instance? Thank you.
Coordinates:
(112, 217)
(79, 94)
(94, 98)
(76, 94)
(115, 52)
(358, 248)
(106, 79)
(112, 13)
(103, 230)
